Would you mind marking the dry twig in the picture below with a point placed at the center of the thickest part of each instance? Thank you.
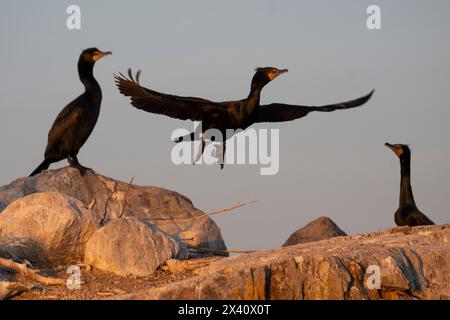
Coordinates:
(183, 220)
(11, 289)
(218, 251)
(32, 274)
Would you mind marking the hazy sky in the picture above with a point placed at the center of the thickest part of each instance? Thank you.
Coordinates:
(331, 164)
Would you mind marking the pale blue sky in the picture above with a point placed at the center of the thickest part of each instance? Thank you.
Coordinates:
(330, 164)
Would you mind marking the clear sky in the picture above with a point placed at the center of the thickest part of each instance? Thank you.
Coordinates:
(331, 164)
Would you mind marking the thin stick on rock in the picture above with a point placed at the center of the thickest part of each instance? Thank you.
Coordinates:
(12, 289)
(218, 251)
(32, 274)
(183, 220)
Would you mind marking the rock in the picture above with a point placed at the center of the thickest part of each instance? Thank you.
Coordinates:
(47, 228)
(131, 247)
(172, 209)
(319, 229)
(181, 266)
(413, 263)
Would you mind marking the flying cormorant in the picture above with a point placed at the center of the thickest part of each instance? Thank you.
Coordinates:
(407, 214)
(76, 121)
(222, 115)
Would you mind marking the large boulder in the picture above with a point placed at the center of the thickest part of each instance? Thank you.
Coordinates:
(47, 228)
(110, 199)
(319, 229)
(131, 247)
(410, 263)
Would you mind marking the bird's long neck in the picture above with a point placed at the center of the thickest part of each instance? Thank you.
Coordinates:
(406, 194)
(253, 96)
(86, 73)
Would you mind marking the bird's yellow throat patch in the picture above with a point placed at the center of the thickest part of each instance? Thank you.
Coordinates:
(398, 151)
(272, 75)
(96, 56)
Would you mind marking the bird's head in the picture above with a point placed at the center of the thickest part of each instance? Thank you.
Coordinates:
(92, 55)
(264, 75)
(401, 150)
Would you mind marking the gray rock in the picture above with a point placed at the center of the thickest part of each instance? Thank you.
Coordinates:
(131, 247)
(319, 229)
(172, 209)
(414, 263)
(47, 228)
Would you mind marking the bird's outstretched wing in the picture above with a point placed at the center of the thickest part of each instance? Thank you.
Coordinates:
(184, 108)
(278, 112)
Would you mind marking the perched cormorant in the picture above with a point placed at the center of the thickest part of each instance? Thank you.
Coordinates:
(76, 121)
(407, 214)
(222, 115)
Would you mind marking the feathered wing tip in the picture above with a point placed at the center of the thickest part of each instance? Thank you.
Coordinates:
(358, 102)
(367, 97)
(130, 74)
(121, 77)
(345, 105)
(128, 86)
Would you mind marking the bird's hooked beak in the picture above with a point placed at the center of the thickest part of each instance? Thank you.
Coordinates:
(275, 73)
(396, 150)
(390, 146)
(100, 54)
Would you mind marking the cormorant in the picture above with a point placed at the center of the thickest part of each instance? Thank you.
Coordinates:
(407, 214)
(222, 115)
(76, 121)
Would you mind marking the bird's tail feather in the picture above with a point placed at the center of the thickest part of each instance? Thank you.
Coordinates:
(44, 165)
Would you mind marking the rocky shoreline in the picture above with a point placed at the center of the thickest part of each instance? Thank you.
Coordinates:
(133, 242)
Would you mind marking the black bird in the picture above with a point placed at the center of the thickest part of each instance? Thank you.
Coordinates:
(222, 115)
(407, 214)
(76, 121)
